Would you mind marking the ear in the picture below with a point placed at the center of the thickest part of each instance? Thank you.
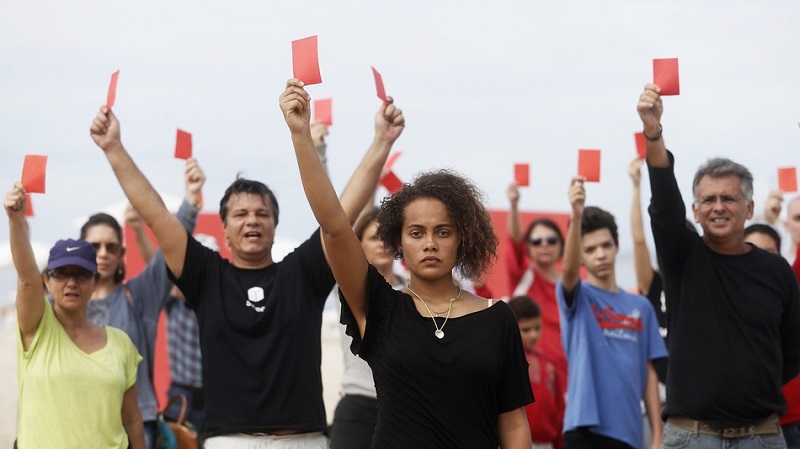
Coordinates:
(695, 212)
(750, 207)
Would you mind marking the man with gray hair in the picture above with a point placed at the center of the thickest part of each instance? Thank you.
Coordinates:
(732, 309)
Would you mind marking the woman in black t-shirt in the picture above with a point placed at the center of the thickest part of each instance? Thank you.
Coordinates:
(449, 366)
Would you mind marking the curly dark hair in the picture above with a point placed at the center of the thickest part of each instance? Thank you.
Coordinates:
(477, 242)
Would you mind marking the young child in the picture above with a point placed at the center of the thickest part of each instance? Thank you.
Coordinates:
(548, 382)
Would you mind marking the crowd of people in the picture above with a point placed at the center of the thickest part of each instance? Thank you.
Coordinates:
(705, 353)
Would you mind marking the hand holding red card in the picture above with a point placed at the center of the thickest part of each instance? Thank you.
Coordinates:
(641, 145)
(589, 165)
(183, 145)
(522, 174)
(379, 84)
(112, 90)
(305, 60)
(33, 173)
(323, 111)
(787, 179)
(665, 76)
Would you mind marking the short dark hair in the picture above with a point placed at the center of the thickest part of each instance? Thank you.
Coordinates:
(102, 218)
(477, 242)
(247, 186)
(550, 224)
(762, 228)
(524, 307)
(595, 219)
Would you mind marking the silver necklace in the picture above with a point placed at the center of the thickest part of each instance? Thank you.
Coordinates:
(439, 333)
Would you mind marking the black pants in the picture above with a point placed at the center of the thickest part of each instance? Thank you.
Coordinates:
(354, 422)
(581, 438)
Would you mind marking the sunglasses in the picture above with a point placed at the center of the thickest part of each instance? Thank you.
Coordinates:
(110, 247)
(537, 241)
(64, 275)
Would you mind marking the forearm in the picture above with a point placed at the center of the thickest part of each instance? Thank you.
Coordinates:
(362, 183)
(572, 254)
(656, 150)
(137, 188)
(146, 248)
(514, 224)
(641, 255)
(652, 404)
(22, 252)
(513, 430)
(132, 420)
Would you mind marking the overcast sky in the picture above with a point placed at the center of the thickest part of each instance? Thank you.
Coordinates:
(482, 85)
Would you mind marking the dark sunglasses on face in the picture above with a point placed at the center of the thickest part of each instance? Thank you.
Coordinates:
(537, 241)
(110, 247)
(64, 275)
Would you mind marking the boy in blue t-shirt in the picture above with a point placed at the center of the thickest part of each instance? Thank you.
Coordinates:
(610, 337)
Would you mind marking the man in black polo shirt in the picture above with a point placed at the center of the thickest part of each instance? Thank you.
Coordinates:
(732, 309)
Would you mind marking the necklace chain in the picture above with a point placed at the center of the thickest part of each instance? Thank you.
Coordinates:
(439, 333)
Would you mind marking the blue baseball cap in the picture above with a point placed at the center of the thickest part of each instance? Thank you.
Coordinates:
(72, 252)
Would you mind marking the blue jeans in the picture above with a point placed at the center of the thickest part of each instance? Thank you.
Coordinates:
(675, 437)
(792, 434)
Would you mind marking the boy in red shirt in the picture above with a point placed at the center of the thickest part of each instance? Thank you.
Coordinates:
(546, 414)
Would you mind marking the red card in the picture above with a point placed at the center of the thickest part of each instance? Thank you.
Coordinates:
(183, 145)
(391, 182)
(387, 167)
(323, 111)
(305, 60)
(379, 84)
(787, 179)
(665, 76)
(641, 145)
(112, 90)
(589, 165)
(522, 174)
(33, 173)
(29, 210)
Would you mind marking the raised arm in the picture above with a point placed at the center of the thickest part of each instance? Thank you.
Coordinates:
(342, 248)
(571, 272)
(513, 223)
(30, 293)
(389, 124)
(650, 109)
(132, 219)
(171, 236)
(641, 255)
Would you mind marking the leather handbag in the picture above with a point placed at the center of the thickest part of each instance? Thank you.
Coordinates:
(178, 434)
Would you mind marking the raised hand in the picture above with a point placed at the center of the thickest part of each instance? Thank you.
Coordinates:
(634, 170)
(295, 104)
(577, 195)
(15, 202)
(513, 193)
(773, 206)
(132, 218)
(193, 179)
(105, 129)
(650, 108)
(319, 131)
(389, 121)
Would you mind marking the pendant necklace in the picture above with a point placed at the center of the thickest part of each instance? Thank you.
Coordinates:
(439, 333)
